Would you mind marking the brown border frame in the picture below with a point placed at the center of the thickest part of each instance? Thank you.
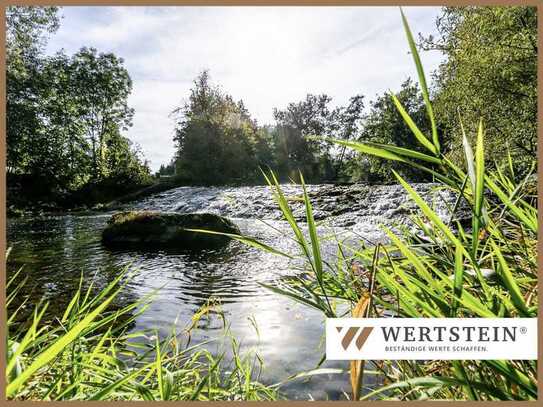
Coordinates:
(207, 3)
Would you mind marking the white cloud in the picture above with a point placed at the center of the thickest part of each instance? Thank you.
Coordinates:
(268, 56)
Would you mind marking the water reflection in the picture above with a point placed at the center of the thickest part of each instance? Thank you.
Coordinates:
(56, 251)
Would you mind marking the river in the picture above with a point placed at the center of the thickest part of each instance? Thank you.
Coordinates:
(56, 250)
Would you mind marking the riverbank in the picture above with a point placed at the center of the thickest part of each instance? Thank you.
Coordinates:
(17, 206)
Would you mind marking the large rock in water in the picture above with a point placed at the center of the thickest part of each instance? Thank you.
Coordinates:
(165, 229)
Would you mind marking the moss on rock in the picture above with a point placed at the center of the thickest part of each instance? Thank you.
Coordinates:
(165, 229)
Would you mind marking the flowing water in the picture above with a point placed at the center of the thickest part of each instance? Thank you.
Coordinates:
(57, 250)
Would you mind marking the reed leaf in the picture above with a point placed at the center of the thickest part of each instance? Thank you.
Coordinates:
(414, 129)
(422, 82)
(52, 351)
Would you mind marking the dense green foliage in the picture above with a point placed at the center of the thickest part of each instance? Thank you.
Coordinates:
(65, 117)
(490, 72)
(384, 124)
(216, 138)
(295, 152)
(218, 142)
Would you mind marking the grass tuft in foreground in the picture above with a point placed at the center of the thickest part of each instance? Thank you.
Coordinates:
(89, 353)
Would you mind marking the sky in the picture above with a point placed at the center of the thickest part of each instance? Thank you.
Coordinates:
(267, 56)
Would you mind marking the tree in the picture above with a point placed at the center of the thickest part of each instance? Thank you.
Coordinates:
(27, 31)
(217, 141)
(349, 120)
(384, 124)
(104, 86)
(166, 170)
(309, 117)
(490, 72)
(63, 128)
(124, 162)
(65, 116)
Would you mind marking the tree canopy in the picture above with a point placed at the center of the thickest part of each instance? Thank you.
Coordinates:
(489, 72)
(217, 140)
(66, 115)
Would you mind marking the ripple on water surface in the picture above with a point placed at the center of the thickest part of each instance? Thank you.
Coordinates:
(55, 251)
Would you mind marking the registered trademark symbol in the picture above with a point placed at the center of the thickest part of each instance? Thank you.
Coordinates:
(523, 330)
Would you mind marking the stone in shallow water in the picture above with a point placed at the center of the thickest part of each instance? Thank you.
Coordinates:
(165, 229)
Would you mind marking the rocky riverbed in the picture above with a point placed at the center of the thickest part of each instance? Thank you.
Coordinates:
(357, 207)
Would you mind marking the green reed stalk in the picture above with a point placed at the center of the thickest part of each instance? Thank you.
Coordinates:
(89, 353)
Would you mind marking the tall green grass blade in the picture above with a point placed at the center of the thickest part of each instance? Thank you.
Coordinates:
(479, 188)
(528, 218)
(312, 228)
(315, 243)
(413, 259)
(144, 392)
(395, 153)
(414, 129)
(27, 340)
(168, 385)
(249, 241)
(51, 352)
(458, 278)
(422, 81)
(470, 159)
(104, 292)
(438, 382)
(406, 152)
(287, 213)
(514, 375)
(510, 283)
(205, 379)
(461, 374)
(158, 368)
(106, 391)
(427, 211)
(70, 306)
(367, 148)
(316, 305)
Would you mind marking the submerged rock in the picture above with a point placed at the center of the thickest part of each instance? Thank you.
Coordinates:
(166, 229)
